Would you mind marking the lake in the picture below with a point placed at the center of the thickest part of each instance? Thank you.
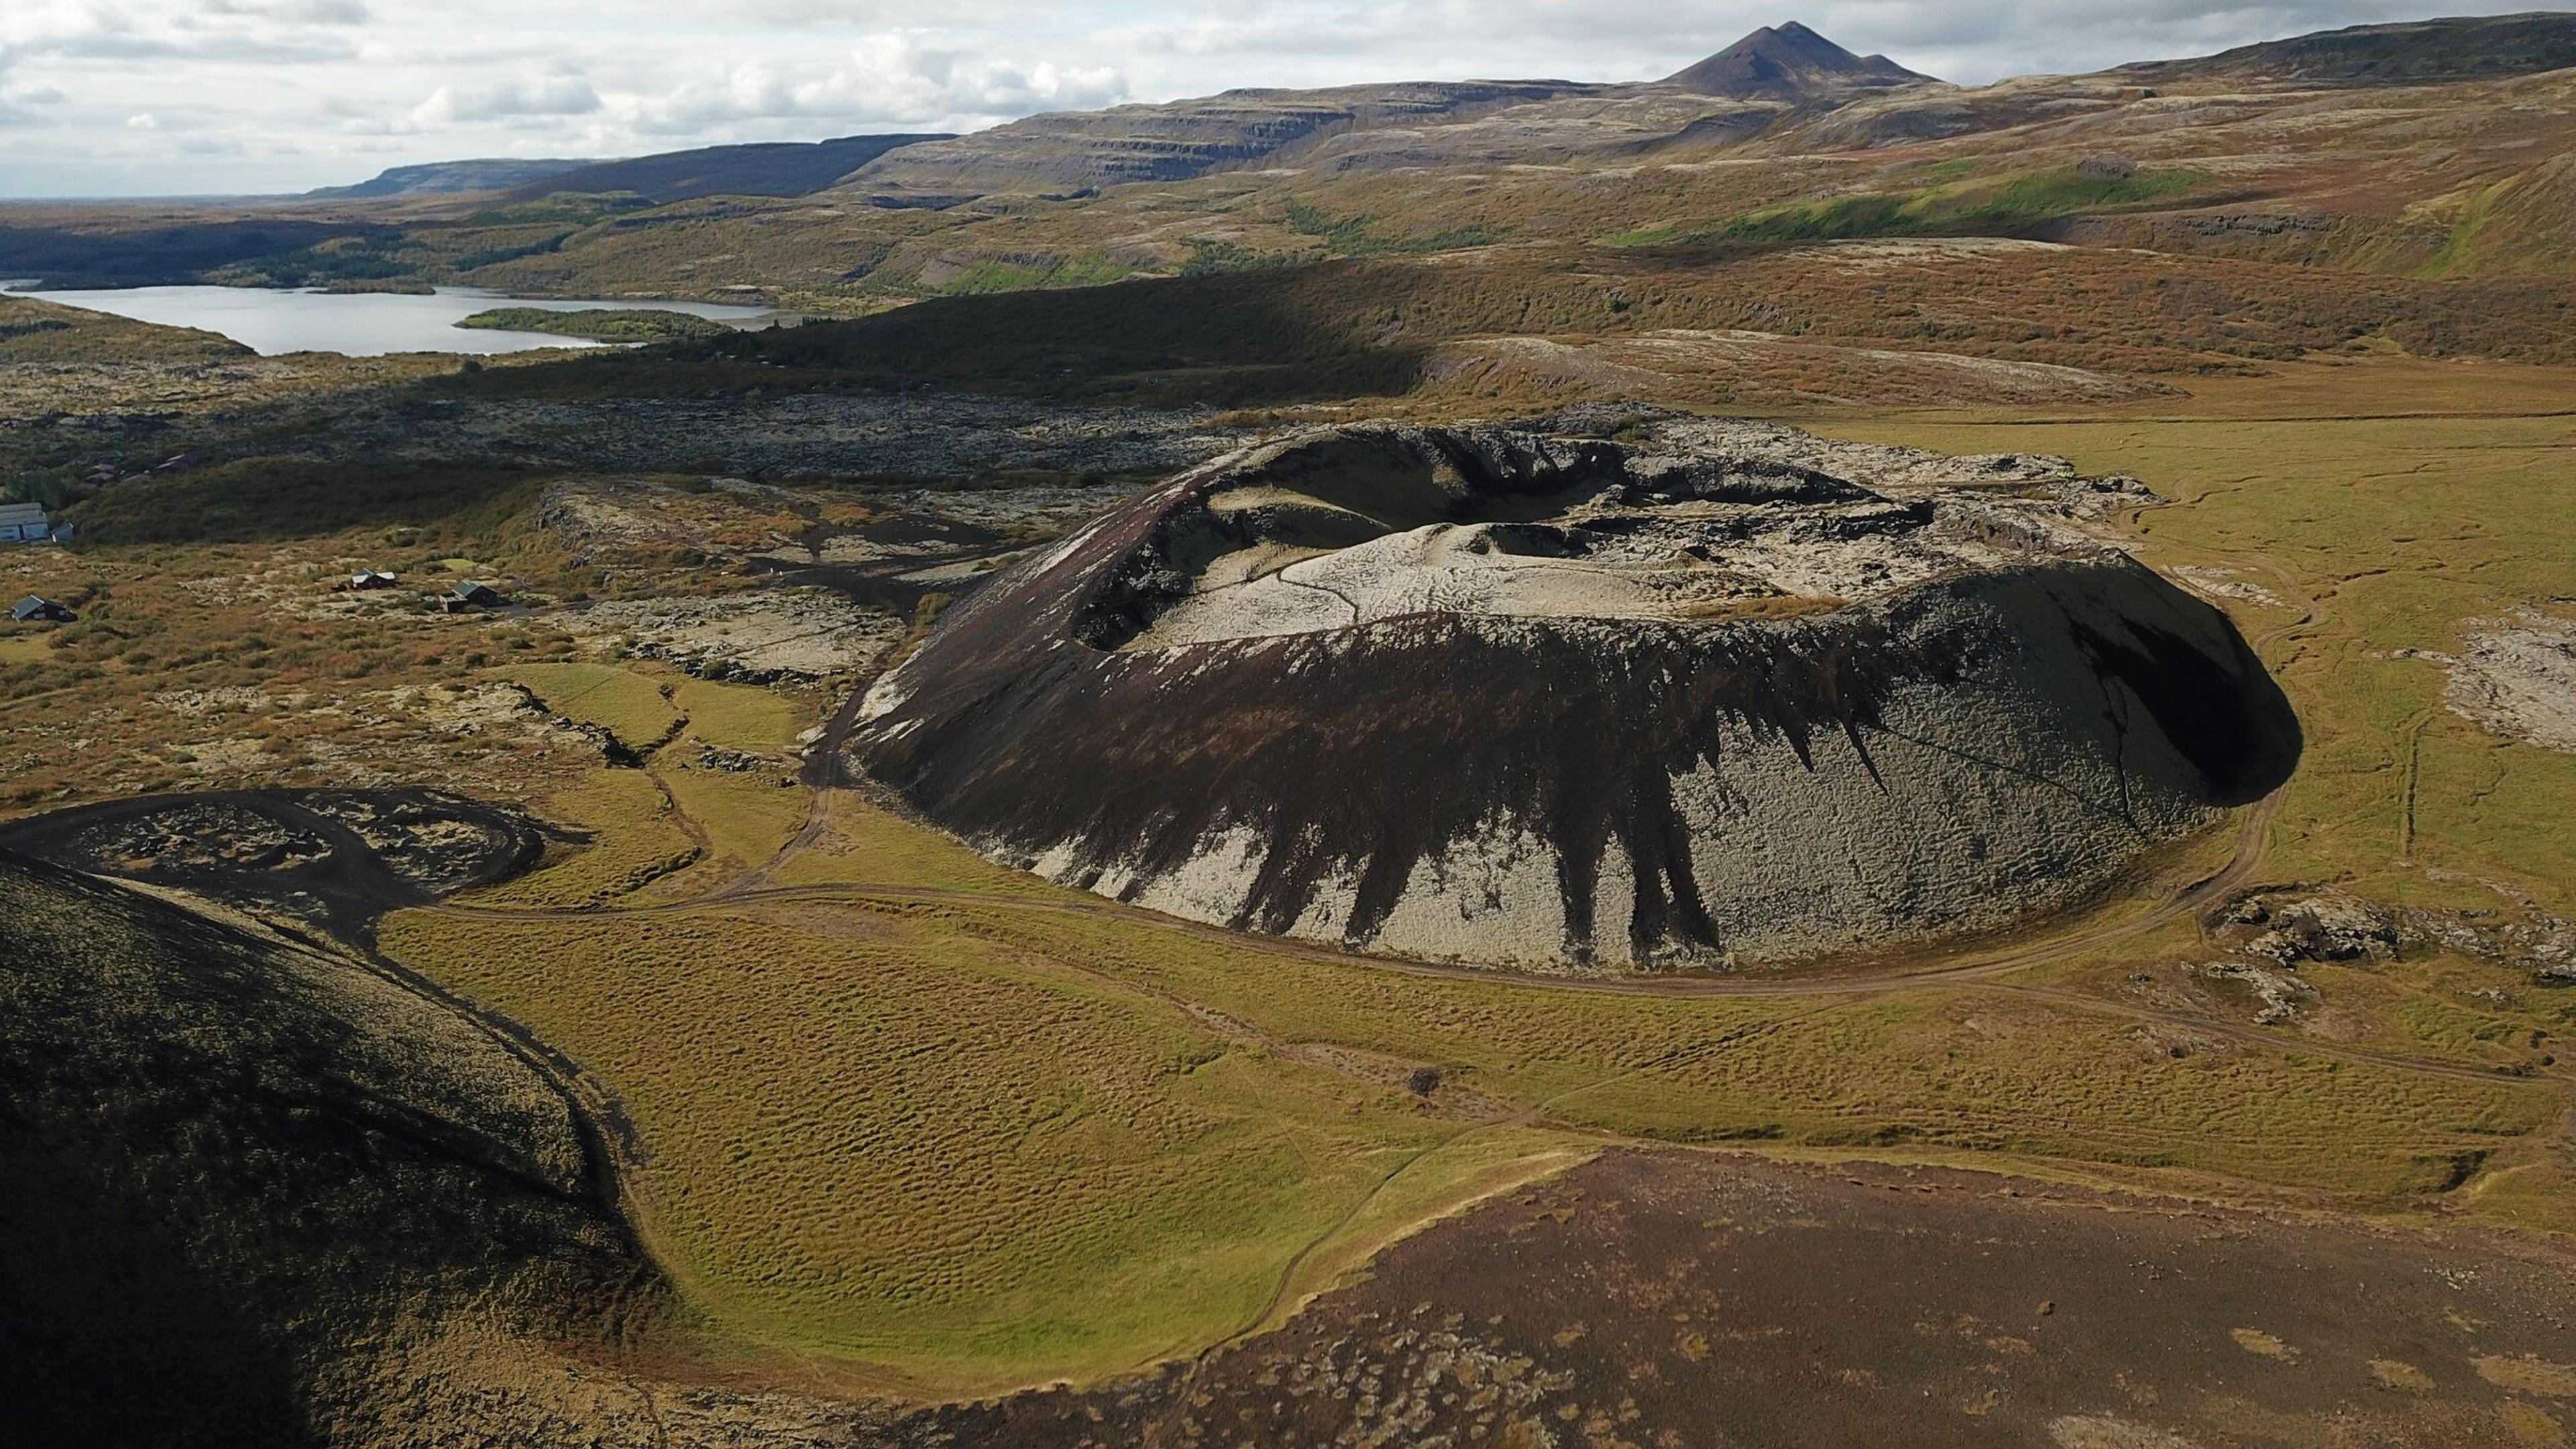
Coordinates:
(270, 320)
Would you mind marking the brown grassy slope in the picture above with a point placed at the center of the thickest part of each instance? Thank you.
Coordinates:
(2379, 179)
(2368, 179)
(2456, 171)
(42, 332)
(1370, 327)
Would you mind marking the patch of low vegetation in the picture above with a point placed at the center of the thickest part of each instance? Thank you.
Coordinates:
(1207, 258)
(617, 324)
(739, 717)
(624, 835)
(2006, 205)
(262, 498)
(37, 331)
(746, 816)
(559, 206)
(1010, 275)
(1360, 236)
(627, 704)
(972, 1166)
(475, 259)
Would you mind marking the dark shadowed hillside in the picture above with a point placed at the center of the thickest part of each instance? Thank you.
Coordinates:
(2413, 53)
(783, 168)
(238, 1169)
(446, 178)
(100, 254)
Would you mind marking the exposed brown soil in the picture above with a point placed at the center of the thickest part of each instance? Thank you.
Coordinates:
(1660, 1298)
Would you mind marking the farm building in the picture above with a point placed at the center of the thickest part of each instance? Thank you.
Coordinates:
(365, 579)
(471, 596)
(24, 523)
(35, 610)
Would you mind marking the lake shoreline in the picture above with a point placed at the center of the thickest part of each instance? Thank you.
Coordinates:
(275, 321)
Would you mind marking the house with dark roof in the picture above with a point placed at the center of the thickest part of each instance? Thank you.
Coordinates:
(471, 596)
(36, 610)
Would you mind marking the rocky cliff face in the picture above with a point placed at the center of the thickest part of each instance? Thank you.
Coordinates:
(1718, 695)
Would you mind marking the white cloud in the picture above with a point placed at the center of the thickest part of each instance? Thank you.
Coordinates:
(143, 121)
(543, 95)
(300, 12)
(890, 80)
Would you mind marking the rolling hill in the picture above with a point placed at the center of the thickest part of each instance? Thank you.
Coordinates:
(358, 1161)
(448, 178)
(2414, 52)
(781, 168)
(2436, 150)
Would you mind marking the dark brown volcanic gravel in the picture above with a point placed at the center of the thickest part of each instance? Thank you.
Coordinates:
(1671, 1299)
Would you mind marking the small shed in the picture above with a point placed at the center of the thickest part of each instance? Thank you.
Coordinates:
(471, 596)
(34, 609)
(365, 579)
(24, 523)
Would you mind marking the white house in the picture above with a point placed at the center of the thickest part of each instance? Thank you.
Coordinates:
(24, 523)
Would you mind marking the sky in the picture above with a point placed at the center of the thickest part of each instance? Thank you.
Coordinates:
(209, 97)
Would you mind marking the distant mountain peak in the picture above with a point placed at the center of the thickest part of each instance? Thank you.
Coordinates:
(1788, 62)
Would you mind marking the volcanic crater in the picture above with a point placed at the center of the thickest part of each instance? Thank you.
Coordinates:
(1586, 694)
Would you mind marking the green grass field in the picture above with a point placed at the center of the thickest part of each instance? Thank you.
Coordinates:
(1997, 205)
(933, 1126)
(739, 716)
(962, 1146)
(626, 704)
